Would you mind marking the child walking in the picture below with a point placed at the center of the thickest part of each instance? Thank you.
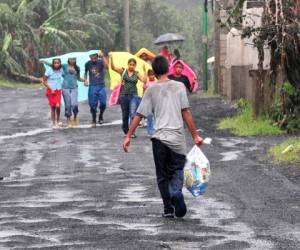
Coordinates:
(150, 82)
(53, 82)
(169, 103)
(179, 77)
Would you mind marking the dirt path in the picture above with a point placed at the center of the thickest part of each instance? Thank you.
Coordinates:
(76, 189)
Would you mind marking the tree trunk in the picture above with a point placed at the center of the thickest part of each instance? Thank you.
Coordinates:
(26, 78)
(126, 25)
(83, 7)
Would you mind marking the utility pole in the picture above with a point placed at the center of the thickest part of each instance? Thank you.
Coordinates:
(204, 43)
(126, 25)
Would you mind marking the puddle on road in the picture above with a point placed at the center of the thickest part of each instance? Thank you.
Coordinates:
(150, 229)
(27, 181)
(28, 168)
(18, 185)
(112, 165)
(179, 245)
(13, 219)
(48, 130)
(136, 193)
(26, 134)
(62, 195)
(80, 215)
(5, 233)
(108, 165)
(231, 155)
(30, 221)
(47, 200)
(230, 142)
(76, 214)
(213, 213)
(86, 126)
(87, 158)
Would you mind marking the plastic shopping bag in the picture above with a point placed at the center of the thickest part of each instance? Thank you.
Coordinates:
(196, 172)
(115, 95)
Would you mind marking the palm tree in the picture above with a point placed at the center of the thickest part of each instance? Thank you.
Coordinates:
(33, 28)
(13, 31)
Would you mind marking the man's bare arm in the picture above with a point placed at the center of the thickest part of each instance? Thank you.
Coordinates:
(188, 119)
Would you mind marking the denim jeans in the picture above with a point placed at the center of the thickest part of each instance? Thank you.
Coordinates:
(129, 105)
(169, 172)
(71, 101)
(97, 95)
(150, 124)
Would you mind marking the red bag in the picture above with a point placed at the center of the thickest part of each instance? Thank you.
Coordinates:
(115, 95)
(116, 92)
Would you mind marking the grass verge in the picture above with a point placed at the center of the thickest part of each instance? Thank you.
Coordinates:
(7, 83)
(287, 152)
(243, 124)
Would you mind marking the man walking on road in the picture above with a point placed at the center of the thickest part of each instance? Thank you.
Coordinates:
(169, 103)
(97, 92)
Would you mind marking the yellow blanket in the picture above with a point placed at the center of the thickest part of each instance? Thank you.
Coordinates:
(121, 61)
(150, 54)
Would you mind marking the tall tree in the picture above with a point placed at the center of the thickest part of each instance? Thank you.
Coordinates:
(126, 12)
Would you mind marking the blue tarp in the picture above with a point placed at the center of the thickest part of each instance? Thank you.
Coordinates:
(82, 58)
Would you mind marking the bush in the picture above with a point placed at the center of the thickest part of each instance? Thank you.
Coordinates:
(244, 124)
(286, 109)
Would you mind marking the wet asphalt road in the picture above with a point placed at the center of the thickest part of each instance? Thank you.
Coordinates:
(76, 189)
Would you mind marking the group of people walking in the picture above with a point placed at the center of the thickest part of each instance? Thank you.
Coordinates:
(62, 80)
(165, 105)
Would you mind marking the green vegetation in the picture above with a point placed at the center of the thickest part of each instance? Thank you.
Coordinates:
(284, 65)
(287, 152)
(6, 83)
(211, 92)
(244, 124)
(286, 108)
(33, 29)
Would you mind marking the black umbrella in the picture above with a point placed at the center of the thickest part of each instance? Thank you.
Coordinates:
(169, 38)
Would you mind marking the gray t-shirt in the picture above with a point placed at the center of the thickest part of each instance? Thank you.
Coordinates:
(166, 100)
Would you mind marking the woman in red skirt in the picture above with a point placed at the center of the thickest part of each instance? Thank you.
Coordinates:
(53, 82)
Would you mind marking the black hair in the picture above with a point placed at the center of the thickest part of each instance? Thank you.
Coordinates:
(177, 54)
(150, 72)
(76, 67)
(178, 62)
(132, 60)
(160, 66)
(56, 59)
